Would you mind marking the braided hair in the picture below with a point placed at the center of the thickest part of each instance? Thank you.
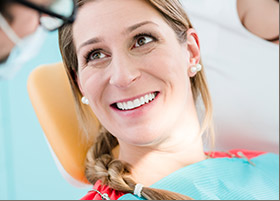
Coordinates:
(101, 165)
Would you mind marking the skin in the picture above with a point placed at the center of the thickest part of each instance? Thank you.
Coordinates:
(261, 17)
(163, 132)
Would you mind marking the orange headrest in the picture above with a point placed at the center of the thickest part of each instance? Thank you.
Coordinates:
(53, 102)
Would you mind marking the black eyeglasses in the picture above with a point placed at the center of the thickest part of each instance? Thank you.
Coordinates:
(54, 14)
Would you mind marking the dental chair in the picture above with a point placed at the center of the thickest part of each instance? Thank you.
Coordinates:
(50, 94)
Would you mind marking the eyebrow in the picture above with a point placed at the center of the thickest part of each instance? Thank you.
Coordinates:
(136, 26)
(128, 30)
(90, 41)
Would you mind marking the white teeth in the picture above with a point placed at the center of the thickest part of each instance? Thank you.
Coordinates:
(120, 106)
(142, 101)
(146, 98)
(124, 105)
(130, 105)
(136, 102)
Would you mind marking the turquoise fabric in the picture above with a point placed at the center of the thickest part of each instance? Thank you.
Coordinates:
(225, 179)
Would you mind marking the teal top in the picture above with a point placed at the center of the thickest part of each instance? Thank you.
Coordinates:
(224, 179)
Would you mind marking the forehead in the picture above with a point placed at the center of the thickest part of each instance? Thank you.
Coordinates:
(100, 17)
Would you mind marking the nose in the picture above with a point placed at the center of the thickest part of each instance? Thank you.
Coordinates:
(124, 71)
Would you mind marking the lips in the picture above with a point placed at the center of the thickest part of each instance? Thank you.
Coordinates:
(135, 102)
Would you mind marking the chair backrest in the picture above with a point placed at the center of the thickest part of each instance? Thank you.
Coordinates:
(53, 102)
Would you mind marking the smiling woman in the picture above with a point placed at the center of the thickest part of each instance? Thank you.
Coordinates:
(141, 75)
(148, 45)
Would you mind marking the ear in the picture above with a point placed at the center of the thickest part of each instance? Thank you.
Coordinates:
(194, 49)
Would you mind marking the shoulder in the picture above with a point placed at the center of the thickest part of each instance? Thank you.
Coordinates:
(99, 190)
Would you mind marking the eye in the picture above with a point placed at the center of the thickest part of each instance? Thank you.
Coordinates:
(143, 40)
(95, 55)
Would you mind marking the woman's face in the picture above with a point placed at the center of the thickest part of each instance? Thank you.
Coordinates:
(133, 70)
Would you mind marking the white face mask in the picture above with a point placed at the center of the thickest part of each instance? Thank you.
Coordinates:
(25, 49)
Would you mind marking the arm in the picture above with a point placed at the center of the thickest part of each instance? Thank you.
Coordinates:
(261, 17)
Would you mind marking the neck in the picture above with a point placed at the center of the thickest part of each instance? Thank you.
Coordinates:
(179, 145)
(150, 164)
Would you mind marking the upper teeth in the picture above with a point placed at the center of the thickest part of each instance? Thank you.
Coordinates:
(136, 102)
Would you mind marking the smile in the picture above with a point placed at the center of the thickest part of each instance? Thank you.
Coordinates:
(135, 103)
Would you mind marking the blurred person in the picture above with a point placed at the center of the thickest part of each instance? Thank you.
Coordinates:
(21, 35)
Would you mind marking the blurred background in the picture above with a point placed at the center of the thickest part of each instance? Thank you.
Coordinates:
(27, 168)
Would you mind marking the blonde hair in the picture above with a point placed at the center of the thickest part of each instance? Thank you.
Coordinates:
(100, 163)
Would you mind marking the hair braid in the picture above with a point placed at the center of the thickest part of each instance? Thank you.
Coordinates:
(101, 165)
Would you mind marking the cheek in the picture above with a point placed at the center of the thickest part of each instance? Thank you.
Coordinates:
(91, 84)
(168, 64)
(5, 42)
(93, 88)
(25, 20)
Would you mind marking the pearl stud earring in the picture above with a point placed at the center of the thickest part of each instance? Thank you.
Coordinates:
(85, 100)
(196, 68)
